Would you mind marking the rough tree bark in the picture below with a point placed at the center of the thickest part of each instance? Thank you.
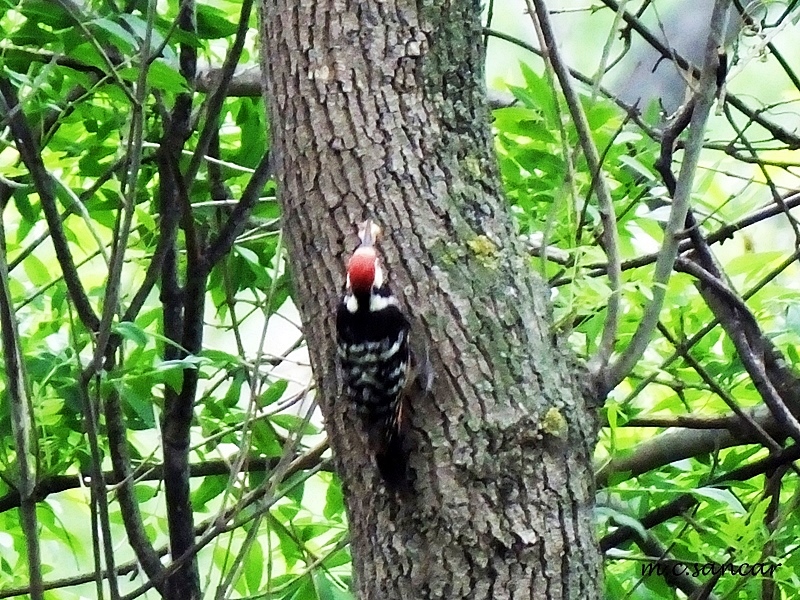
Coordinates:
(378, 109)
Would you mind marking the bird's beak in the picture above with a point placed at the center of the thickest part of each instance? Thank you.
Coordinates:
(368, 233)
(367, 239)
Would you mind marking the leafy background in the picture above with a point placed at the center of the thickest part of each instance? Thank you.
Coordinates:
(74, 67)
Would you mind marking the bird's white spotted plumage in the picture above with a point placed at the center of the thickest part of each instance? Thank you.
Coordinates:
(374, 356)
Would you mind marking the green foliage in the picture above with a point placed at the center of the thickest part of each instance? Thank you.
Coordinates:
(77, 76)
(549, 189)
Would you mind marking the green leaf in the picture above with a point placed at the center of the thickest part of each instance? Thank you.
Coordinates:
(36, 271)
(174, 379)
(720, 496)
(87, 54)
(311, 531)
(253, 140)
(115, 34)
(339, 558)
(220, 359)
(248, 255)
(163, 76)
(636, 166)
(144, 492)
(187, 362)
(306, 590)
(234, 392)
(23, 203)
(144, 218)
(45, 12)
(273, 393)
(334, 500)
(281, 292)
(254, 567)
(538, 94)
(136, 393)
(327, 590)
(265, 441)
(621, 518)
(598, 113)
(211, 487)
(294, 423)
(792, 354)
(131, 331)
(213, 23)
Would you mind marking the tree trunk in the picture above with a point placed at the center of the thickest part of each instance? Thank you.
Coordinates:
(378, 109)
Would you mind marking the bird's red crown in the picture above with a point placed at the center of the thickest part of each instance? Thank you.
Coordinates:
(361, 269)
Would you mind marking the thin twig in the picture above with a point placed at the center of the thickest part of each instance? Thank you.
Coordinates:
(567, 150)
(776, 196)
(610, 39)
(29, 151)
(129, 191)
(708, 327)
(311, 460)
(707, 86)
(683, 443)
(791, 200)
(750, 423)
(277, 476)
(221, 523)
(82, 197)
(606, 205)
(741, 326)
(216, 98)
(778, 132)
(21, 412)
(631, 111)
(97, 484)
(238, 218)
(684, 502)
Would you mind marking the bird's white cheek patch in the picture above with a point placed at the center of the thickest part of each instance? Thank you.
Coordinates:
(378, 280)
(377, 302)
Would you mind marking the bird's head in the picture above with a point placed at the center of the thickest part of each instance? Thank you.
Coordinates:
(364, 270)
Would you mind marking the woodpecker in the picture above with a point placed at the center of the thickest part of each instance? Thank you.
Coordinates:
(374, 355)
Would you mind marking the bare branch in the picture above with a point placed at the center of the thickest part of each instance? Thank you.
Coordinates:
(236, 221)
(125, 217)
(21, 423)
(683, 580)
(126, 497)
(28, 150)
(790, 200)
(743, 330)
(54, 484)
(747, 421)
(688, 344)
(185, 308)
(606, 205)
(632, 112)
(218, 93)
(669, 250)
(686, 501)
(635, 24)
(221, 523)
(75, 11)
(680, 444)
(311, 459)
